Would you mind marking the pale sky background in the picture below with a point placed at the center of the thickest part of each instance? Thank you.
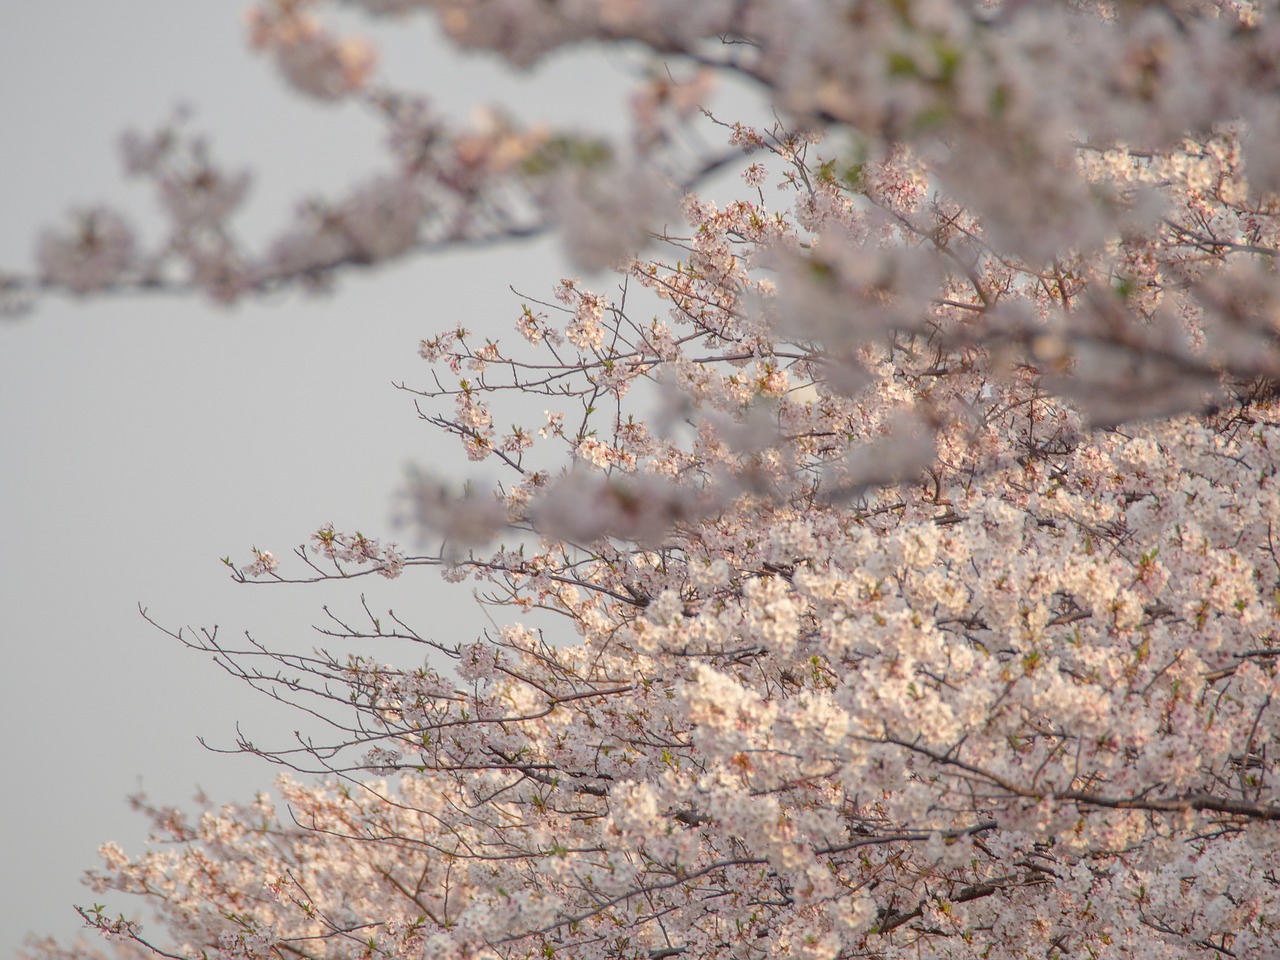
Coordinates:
(141, 439)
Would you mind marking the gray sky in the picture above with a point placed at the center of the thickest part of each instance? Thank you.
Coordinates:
(142, 439)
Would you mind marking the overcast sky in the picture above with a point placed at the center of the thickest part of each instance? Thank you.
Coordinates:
(142, 439)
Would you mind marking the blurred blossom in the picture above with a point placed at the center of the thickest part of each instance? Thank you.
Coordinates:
(390, 7)
(906, 448)
(382, 218)
(313, 62)
(92, 255)
(142, 153)
(606, 216)
(583, 506)
(471, 520)
(217, 268)
(316, 243)
(844, 290)
(204, 198)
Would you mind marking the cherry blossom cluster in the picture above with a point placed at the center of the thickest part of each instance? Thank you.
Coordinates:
(1122, 160)
(872, 644)
(444, 185)
(907, 527)
(345, 553)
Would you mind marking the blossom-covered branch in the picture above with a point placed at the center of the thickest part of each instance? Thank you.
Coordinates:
(911, 525)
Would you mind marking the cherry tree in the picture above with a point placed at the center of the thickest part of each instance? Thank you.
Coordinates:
(887, 556)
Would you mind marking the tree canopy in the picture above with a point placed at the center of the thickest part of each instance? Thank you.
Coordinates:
(906, 524)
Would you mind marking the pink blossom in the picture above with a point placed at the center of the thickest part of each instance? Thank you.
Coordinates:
(92, 257)
(264, 564)
(895, 548)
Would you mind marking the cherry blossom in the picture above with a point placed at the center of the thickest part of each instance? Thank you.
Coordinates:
(92, 256)
(1006, 691)
(908, 523)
